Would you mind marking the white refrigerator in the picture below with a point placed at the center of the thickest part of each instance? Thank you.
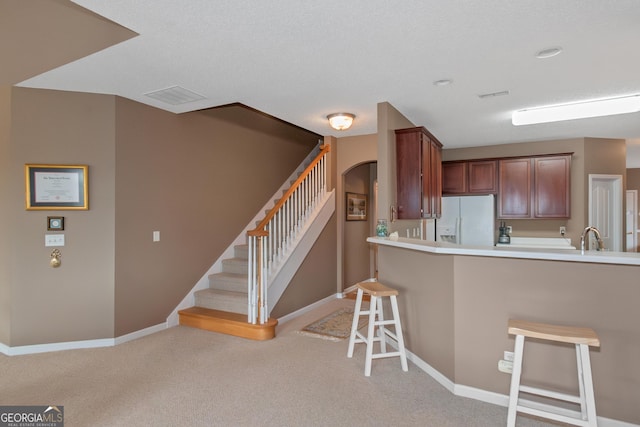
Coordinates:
(467, 220)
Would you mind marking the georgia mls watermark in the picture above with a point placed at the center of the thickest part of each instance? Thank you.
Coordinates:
(32, 416)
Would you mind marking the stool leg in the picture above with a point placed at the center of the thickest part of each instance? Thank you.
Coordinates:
(515, 380)
(354, 323)
(399, 337)
(381, 333)
(370, 336)
(583, 401)
(586, 382)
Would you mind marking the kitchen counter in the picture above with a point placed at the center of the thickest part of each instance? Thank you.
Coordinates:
(456, 300)
(599, 257)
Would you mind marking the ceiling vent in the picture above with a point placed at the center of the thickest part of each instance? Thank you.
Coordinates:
(175, 95)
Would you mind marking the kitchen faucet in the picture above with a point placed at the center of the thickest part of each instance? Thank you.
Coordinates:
(596, 232)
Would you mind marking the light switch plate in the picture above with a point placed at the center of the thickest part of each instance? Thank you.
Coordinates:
(54, 239)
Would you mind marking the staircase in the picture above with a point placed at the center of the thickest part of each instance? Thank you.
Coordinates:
(236, 301)
(223, 306)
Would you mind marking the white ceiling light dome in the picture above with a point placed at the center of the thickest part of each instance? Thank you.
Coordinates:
(341, 121)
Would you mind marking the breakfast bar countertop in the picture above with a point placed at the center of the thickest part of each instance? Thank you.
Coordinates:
(591, 256)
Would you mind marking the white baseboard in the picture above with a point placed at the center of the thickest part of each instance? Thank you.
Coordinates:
(75, 345)
(487, 396)
(484, 395)
(141, 333)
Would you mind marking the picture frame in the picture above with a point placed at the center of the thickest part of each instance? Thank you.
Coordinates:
(55, 223)
(356, 207)
(56, 187)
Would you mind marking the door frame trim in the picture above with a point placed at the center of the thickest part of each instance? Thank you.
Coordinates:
(617, 207)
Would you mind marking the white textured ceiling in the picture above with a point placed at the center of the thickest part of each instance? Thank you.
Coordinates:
(300, 60)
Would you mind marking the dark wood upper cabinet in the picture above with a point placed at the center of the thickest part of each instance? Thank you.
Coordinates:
(418, 174)
(551, 187)
(535, 187)
(469, 177)
(436, 179)
(409, 166)
(483, 177)
(454, 177)
(514, 195)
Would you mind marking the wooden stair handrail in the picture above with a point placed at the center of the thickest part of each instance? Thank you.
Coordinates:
(260, 229)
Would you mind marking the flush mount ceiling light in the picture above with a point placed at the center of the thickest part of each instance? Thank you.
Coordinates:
(578, 110)
(341, 121)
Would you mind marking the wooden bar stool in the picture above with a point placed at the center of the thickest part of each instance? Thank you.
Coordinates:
(377, 291)
(582, 338)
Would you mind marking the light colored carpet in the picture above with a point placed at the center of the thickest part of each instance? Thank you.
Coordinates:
(189, 377)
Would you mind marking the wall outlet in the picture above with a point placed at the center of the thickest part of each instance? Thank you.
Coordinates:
(505, 366)
(508, 356)
(563, 230)
(509, 229)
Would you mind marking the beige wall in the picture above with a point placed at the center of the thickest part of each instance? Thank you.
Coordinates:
(38, 36)
(633, 179)
(73, 302)
(426, 303)
(198, 178)
(5, 215)
(349, 152)
(315, 280)
(455, 310)
(355, 260)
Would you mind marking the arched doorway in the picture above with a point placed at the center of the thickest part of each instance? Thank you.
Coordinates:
(358, 260)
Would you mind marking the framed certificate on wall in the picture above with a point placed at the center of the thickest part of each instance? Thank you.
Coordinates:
(56, 187)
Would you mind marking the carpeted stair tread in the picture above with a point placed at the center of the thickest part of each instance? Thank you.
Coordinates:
(235, 302)
(241, 251)
(235, 265)
(228, 282)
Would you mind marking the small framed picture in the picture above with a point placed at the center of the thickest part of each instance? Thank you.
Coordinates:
(55, 223)
(356, 207)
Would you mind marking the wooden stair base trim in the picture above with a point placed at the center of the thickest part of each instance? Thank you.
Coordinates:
(228, 323)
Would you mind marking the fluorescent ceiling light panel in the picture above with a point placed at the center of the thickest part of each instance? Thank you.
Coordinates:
(579, 110)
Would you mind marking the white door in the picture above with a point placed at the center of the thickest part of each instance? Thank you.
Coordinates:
(632, 220)
(605, 210)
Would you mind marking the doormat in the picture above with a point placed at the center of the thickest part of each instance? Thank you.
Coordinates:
(333, 327)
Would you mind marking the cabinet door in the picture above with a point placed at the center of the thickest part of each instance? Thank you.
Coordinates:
(552, 187)
(514, 198)
(409, 175)
(427, 183)
(454, 177)
(483, 177)
(436, 179)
